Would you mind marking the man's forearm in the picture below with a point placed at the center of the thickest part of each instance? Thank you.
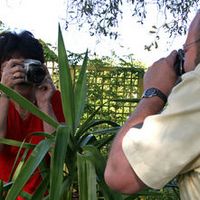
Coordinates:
(118, 167)
(145, 108)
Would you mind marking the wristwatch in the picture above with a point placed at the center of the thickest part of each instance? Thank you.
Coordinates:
(151, 92)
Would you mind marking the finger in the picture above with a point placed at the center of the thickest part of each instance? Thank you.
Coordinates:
(43, 87)
(18, 75)
(12, 63)
(10, 80)
(17, 68)
(171, 58)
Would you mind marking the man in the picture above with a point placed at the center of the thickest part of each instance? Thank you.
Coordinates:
(157, 144)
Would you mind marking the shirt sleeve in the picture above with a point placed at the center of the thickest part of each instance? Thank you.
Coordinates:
(167, 142)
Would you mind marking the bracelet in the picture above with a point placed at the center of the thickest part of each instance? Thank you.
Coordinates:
(2, 94)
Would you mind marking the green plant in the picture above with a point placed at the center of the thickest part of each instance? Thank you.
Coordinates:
(76, 164)
(77, 156)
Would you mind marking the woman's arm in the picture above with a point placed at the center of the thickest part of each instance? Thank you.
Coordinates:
(43, 94)
(9, 70)
(4, 104)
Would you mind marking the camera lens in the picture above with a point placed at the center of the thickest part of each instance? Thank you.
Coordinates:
(35, 74)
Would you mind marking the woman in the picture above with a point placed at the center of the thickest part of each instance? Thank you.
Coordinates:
(15, 122)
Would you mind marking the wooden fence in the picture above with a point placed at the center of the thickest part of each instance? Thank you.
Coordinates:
(116, 89)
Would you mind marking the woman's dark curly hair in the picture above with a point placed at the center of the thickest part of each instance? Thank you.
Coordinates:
(23, 44)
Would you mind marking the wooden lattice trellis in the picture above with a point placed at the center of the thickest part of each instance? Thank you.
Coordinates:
(116, 89)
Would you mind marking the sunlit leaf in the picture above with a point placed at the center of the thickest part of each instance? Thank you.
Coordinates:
(81, 92)
(15, 143)
(86, 178)
(67, 90)
(1, 190)
(57, 162)
(92, 153)
(24, 103)
(29, 167)
(39, 193)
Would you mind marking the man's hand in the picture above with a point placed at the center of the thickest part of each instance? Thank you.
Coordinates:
(161, 74)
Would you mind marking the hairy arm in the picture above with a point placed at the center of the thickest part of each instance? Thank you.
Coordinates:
(118, 173)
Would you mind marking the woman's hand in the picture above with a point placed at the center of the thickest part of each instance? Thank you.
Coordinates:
(12, 72)
(43, 95)
(44, 92)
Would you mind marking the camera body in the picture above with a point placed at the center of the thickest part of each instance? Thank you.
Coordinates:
(178, 66)
(35, 72)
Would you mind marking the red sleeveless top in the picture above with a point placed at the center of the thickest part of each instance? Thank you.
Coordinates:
(18, 129)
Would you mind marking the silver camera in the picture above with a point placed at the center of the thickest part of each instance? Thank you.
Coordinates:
(35, 72)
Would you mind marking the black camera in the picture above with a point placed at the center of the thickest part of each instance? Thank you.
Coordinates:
(178, 66)
(35, 72)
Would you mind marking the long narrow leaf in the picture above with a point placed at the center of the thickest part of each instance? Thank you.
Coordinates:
(67, 92)
(81, 92)
(57, 164)
(39, 193)
(88, 121)
(1, 190)
(20, 164)
(25, 195)
(85, 139)
(66, 192)
(15, 143)
(97, 122)
(29, 167)
(24, 103)
(105, 131)
(93, 154)
(86, 178)
(16, 167)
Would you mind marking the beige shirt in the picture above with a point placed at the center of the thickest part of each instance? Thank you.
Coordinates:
(168, 144)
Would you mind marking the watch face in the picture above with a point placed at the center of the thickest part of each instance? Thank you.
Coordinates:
(150, 92)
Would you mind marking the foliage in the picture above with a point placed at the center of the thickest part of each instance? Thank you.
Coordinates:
(71, 146)
(76, 162)
(103, 17)
(109, 79)
(2, 26)
(49, 52)
(114, 60)
(108, 87)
